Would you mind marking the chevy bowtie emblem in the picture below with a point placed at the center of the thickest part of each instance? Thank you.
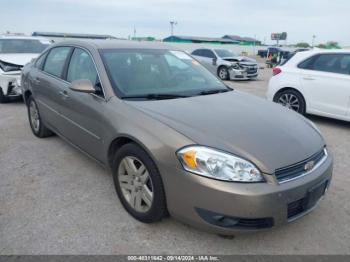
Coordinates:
(309, 165)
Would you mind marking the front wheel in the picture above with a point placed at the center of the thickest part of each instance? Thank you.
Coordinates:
(139, 184)
(291, 99)
(223, 73)
(35, 121)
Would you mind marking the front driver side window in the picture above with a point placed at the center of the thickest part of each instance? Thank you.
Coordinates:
(81, 66)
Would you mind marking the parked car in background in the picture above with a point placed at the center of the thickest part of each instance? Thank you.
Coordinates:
(176, 138)
(226, 64)
(315, 82)
(15, 52)
(263, 53)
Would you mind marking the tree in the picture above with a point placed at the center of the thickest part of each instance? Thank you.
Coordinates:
(329, 45)
(302, 45)
(323, 46)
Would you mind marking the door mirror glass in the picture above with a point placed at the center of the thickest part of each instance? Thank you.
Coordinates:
(215, 60)
(83, 85)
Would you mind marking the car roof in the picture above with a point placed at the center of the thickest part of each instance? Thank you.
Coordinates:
(116, 44)
(300, 56)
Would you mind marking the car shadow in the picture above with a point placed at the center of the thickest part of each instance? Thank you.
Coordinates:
(329, 121)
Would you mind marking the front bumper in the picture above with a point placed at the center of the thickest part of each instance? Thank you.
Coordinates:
(242, 74)
(10, 84)
(197, 200)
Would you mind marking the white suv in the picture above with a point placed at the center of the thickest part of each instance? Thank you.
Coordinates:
(15, 52)
(315, 82)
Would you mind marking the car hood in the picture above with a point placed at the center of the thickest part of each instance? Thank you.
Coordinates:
(17, 59)
(265, 133)
(241, 59)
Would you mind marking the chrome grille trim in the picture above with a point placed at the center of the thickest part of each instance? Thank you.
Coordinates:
(317, 165)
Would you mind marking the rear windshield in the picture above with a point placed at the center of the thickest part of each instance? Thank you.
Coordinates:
(8, 46)
(289, 56)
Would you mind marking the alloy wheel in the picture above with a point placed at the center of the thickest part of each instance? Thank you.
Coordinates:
(223, 73)
(34, 116)
(136, 184)
(290, 101)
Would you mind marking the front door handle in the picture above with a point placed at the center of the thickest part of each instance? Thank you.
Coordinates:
(64, 94)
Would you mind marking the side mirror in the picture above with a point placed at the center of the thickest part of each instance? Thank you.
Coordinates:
(84, 86)
(215, 61)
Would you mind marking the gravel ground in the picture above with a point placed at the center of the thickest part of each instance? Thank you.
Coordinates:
(55, 200)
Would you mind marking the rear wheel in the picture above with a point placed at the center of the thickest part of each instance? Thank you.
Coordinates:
(139, 184)
(291, 99)
(223, 73)
(38, 127)
(3, 98)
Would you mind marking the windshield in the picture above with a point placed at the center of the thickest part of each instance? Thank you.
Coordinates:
(152, 72)
(224, 53)
(8, 46)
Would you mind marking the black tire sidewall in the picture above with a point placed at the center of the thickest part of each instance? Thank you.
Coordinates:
(3, 98)
(302, 108)
(158, 208)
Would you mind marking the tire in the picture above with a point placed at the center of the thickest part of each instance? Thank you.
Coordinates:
(223, 73)
(127, 158)
(37, 126)
(3, 98)
(291, 99)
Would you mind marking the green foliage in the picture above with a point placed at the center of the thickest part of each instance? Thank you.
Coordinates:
(302, 45)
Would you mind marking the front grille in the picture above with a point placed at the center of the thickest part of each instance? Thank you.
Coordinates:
(296, 170)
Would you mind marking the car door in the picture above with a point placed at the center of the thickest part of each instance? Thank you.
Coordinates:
(48, 85)
(84, 113)
(325, 80)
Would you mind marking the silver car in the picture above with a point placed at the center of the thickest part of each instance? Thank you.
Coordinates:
(177, 140)
(226, 64)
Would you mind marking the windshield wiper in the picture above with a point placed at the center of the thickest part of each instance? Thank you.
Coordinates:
(213, 91)
(154, 96)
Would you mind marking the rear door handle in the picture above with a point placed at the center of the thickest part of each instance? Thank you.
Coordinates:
(36, 80)
(64, 94)
(308, 78)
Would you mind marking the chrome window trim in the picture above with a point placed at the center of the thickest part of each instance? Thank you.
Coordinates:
(308, 172)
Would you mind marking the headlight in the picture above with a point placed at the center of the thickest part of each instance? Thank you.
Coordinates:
(219, 165)
(7, 67)
(236, 66)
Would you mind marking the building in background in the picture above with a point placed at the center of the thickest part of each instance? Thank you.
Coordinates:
(198, 39)
(242, 40)
(66, 36)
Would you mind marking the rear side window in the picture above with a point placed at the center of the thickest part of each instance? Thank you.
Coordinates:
(208, 53)
(333, 63)
(198, 52)
(56, 60)
(40, 61)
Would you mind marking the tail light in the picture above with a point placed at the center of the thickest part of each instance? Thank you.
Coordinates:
(276, 71)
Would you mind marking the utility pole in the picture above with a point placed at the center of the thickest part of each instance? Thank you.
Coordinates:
(134, 32)
(313, 41)
(172, 24)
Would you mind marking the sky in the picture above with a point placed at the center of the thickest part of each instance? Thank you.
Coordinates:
(328, 20)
